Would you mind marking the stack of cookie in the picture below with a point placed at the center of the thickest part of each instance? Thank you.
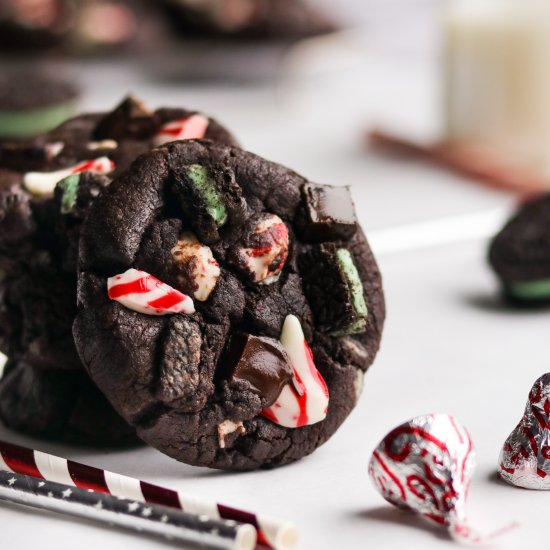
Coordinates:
(44, 390)
(226, 309)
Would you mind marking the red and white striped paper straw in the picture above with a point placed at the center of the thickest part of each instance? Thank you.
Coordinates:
(271, 532)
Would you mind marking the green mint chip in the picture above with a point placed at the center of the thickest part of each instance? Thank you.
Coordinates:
(347, 265)
(530, 290)
(206, 188)
(69, 186)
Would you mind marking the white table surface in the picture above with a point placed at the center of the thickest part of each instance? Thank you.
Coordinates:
(448, 346)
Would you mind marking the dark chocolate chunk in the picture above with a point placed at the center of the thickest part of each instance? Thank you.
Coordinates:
(130, 120)
(262, 362)
(329, 213)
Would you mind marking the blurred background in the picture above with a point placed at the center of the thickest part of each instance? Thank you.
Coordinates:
(459, 82)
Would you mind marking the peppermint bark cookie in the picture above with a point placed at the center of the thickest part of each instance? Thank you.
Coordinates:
(520, 254)
(200, 315)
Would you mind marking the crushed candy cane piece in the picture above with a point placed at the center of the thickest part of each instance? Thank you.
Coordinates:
(141, 292)
(191, 127)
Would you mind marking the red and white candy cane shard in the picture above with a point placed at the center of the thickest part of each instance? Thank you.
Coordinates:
(191, 127)
(304, 402)
(265, 263)
(525, 456)
(43, 183)
(272, 533)
(141, 292)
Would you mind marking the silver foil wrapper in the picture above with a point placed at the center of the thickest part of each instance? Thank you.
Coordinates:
(425, 465)
(525, 457)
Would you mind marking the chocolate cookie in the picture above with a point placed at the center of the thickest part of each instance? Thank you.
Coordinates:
(77, 27)
(33, 102)
(121, 135)
(16, 218)
(520, 254)
(40, 281)
(60, 405)
(267, 19)
(42, 207)
(25, 25)
(228, 308)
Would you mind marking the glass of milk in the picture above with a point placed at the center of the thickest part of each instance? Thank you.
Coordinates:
(497, 76)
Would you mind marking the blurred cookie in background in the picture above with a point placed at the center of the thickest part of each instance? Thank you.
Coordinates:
(266, 19)
(32, 102)
(75, 27)
(520, 254)
(35, 24)
(102, 25)
(234, 40)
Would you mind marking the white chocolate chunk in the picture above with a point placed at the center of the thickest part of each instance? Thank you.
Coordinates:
(228, 427)
(198, 257)
(307, 402)
(358, 384)
(53, 149)
(3, 361)
(103, 144)
(43, 183)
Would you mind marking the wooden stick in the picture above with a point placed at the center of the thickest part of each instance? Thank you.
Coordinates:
(480, 163)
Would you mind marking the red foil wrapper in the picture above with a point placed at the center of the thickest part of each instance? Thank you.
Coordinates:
(525, 456)
(425, 465)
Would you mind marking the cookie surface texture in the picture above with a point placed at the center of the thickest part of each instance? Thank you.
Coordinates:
(248, 377)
